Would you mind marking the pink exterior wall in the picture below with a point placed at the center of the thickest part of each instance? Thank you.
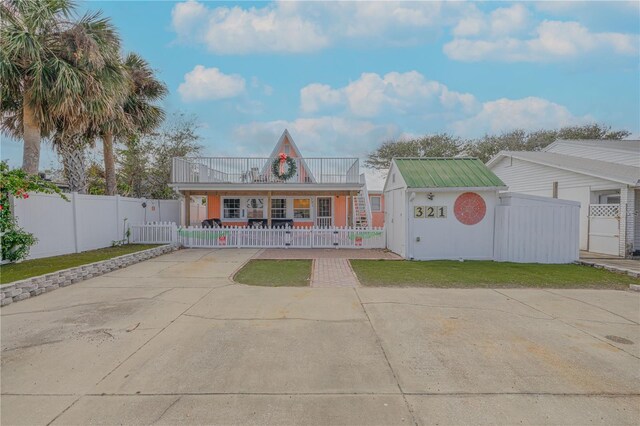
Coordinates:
(377, 218)
(213, 206)
(340, 210)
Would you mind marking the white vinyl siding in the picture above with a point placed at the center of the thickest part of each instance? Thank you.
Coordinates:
(630, 157)
(524, 176)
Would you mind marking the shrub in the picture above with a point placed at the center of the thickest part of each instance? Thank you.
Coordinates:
(16, 242)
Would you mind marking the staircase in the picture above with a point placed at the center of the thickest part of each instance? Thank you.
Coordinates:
(361, 207)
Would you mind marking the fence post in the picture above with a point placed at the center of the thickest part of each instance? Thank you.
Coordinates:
(118, 234)
(76, 232)
(174, 233)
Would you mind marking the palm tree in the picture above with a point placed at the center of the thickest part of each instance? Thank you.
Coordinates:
(138, 113)
(35, 74)
(93, 46)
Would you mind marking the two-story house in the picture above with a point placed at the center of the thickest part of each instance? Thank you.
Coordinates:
(283, 189)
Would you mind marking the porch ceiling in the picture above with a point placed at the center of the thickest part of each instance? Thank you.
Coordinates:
(282, 189)
(196, 192)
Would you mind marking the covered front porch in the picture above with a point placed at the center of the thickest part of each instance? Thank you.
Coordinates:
(273, 208)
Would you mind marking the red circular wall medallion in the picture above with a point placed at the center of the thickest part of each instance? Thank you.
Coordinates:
(469, 208)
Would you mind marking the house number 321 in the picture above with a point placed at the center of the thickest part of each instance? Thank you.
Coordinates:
(427, 212)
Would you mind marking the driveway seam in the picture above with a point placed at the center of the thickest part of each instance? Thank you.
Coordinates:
(572, 326)
(551, 318)
(386, 358)
(591, 304)
(275, 319)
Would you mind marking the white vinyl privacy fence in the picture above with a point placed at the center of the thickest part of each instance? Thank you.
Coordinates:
(85, 222)
(531, 229)
(194, 237)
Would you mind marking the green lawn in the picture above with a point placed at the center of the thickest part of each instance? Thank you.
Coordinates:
(46, 265)
(275, 273)
(446, 273)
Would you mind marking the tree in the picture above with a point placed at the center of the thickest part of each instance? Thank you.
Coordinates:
(445, 145)
(134, 161)
(92, 46)
(35, 74)
(439, 145)
(178, 138)
(518, 140)
(137, 114)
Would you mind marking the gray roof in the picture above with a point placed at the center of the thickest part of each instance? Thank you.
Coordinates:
(629, 175)
(630, 145)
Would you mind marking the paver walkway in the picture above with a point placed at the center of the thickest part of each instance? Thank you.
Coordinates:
(333, 273)
(612, 263)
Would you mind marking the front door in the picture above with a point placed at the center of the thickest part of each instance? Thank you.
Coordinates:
(324, 212)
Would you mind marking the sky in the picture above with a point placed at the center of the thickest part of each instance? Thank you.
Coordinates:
(343, 77)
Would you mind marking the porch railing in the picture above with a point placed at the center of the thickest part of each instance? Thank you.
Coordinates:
(237, 237)
(257, 170)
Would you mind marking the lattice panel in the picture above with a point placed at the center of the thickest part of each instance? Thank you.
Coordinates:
(604, 210)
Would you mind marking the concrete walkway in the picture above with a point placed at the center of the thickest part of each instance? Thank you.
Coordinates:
(612, 263)
(174, 341)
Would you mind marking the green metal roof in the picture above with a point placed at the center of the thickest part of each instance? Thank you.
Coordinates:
(446, 173)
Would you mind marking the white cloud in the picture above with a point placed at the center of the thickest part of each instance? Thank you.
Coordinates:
(401, 93)
(530, 113)
(321, 136)
(553, 41)
(294, 27)
(210, 84)
(499, 22)
(316, 96)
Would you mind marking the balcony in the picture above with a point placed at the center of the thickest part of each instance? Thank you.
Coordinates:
(237, 170)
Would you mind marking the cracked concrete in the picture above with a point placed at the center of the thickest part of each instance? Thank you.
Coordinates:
(174, 341)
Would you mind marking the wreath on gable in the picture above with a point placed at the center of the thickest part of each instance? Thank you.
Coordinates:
(277, 167)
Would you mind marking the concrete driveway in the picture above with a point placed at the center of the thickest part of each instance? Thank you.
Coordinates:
(174, 341)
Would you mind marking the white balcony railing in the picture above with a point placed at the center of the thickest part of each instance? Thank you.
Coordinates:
(259, 170)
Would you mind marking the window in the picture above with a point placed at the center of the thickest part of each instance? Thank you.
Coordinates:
(376, 203)
(287, 149)
(255, 208)
(610, 199)
(302, 208)
(231, 208)
(279, 208)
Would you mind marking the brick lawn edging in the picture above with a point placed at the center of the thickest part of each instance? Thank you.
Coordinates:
(616, 269)
(35, 286)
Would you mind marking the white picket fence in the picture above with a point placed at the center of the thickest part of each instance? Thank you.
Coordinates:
(198, 237)
(154, 233)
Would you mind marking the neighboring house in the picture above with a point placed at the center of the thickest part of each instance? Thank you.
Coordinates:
(604, 176)
(245, 191)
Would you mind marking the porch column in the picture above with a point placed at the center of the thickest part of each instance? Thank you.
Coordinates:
(269, 209)
(187, 208)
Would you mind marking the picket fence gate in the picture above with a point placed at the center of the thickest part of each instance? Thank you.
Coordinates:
(237, 237)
